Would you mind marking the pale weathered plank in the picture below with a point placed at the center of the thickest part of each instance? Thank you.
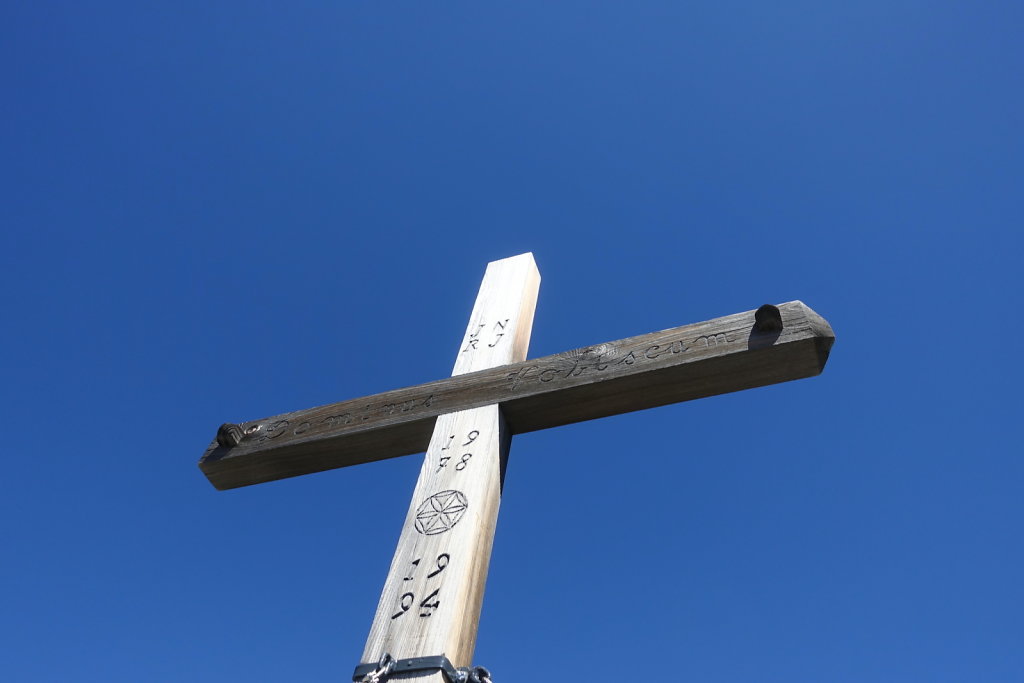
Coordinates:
(693, 361)
(431, 601)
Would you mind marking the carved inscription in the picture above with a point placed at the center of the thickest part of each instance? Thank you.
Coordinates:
(712, 340)
(440, 512)
(463, 460)
(272, 430)
(598, 359)
(430, 603)
(594, 359)
(591, 360)
(489, 335)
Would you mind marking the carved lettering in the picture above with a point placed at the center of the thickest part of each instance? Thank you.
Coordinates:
(587, 359)
(277, 429)
(473, 339)
(403, 407)
(713, 340)
(498, 335)
(599, 359)
(658, 350)
(370, 411)
(548, 374)
(262, 432)
(516, 378)
(332, 421)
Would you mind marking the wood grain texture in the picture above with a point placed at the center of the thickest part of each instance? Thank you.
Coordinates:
(431, 601)
(680, 364)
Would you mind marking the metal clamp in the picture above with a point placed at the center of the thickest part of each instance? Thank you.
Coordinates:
(388, 665)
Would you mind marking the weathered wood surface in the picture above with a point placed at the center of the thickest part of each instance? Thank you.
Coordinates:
(684, 363)
(431, 601)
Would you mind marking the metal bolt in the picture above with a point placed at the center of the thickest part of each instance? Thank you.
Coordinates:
(768, 318)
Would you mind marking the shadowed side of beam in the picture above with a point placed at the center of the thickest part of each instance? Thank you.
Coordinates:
(684, 363)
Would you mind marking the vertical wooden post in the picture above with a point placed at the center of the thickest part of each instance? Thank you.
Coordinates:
(431, 600)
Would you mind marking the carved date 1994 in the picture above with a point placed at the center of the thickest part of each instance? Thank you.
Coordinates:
(432, 601)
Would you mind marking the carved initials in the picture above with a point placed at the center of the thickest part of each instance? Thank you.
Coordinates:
(474, 339)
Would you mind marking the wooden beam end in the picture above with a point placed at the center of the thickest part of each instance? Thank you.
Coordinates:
(825, 336)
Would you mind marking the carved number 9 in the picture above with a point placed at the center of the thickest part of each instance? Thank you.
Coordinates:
(442, 562)
(407, 599)
(471, 437)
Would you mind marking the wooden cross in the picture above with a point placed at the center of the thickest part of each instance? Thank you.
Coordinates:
(431, 600)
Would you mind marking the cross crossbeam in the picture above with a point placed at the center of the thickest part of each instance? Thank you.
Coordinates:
(717, 356)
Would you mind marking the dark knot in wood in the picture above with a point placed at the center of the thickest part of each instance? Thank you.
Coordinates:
(229, 435)
(768, 318)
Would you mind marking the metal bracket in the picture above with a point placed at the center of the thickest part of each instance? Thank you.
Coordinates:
(434, 663)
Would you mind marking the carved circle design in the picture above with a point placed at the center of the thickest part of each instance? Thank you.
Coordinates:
(440, 512)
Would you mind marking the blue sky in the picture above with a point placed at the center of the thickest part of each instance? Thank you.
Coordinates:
(222, 211)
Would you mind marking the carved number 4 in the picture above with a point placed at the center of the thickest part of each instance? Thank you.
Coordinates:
(426, 607)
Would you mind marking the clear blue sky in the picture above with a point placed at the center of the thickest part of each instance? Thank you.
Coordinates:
(222, 211)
